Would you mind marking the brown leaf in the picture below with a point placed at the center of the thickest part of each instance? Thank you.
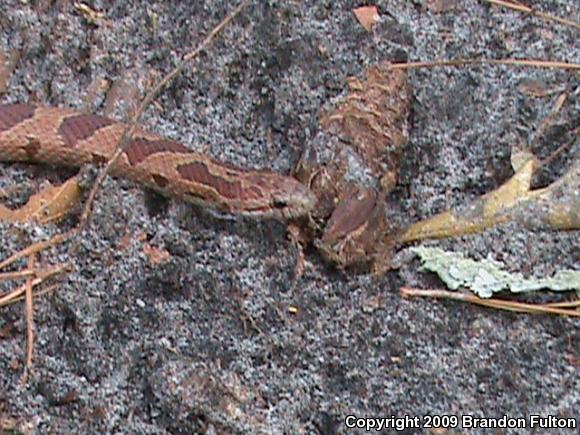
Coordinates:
(353, 162)
(125, 93)
(534, 88)
(126, 240)
(441, 6)
(48, 205)
(8, 61)
(155, 254)
(367, 16)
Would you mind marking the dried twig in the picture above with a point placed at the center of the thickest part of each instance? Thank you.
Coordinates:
(47, 273)
(29, 309)
(500, 304)
(530, 11)
(468, 62)
(43, 273)
(37, 293)
(37, 247)
(20, 274)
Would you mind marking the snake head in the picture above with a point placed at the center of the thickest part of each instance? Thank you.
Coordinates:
(297, 201)
(277, 196)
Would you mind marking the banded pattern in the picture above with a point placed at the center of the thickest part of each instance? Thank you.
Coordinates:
(65, 137)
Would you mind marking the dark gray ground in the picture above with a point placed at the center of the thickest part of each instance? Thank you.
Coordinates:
(206, 342)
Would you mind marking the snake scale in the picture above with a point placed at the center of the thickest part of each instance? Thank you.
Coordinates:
(58, 136)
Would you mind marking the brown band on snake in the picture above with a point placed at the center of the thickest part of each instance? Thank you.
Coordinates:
(14, 114)
(79, 127)
(199, 173)
(139, 149)
(65, 137)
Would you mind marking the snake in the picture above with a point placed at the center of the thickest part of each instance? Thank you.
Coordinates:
(65, 137)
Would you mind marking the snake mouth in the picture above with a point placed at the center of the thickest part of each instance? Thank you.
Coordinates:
(282, 208)
(273, 212)
(295, 204)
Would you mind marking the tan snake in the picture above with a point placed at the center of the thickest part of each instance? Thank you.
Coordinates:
(66, 137)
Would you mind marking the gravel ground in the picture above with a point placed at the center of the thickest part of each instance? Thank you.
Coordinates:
(206, 342)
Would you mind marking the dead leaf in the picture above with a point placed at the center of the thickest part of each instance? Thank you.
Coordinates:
(371, 304)
(155, 254)
(126, 240)
(48, 205)
(293, 310)
(8, 61)
(441, 6)
(534, 88)
(362, 138)
(91, 15)
(556, 206)
(96, 88)
(367, 16)
(299, 239)
(125, 93)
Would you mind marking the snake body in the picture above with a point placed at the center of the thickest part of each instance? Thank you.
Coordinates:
(65, 137)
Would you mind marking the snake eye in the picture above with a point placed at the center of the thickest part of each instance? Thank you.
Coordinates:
(279, 203)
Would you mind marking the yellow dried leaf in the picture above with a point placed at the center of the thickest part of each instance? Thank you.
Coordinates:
(293, 310)
(91, 15)
(556, 206)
